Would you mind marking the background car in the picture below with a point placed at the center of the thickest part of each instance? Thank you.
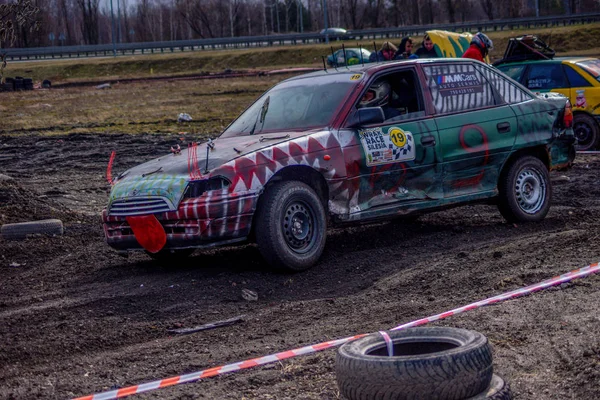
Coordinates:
(338, 58)
(578, 78)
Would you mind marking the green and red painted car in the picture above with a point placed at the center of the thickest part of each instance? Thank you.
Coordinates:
(307, 154)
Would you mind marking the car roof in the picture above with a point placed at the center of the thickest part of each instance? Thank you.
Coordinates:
(371, 68)
(570, 60)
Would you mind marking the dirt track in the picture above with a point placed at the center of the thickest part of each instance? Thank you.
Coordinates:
(76, 319)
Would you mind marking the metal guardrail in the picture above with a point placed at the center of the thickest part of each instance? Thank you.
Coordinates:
(287, 39)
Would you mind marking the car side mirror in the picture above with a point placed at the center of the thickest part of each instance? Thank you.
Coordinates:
(366, 116)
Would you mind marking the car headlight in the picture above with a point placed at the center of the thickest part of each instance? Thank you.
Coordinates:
(197, 188)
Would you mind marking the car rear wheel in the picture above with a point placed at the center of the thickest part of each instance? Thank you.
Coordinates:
(291, 226)
(586, 132)
(524, 190)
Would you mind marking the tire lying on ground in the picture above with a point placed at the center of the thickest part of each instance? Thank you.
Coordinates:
(20, 230)
(497, 390)
(427, 363)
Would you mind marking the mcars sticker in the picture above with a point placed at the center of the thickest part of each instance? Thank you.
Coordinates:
(452, 84)
(387, 145)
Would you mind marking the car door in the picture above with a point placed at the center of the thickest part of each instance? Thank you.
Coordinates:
(477, 129)
(396, 162)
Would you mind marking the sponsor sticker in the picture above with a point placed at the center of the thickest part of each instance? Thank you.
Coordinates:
(355, 77)
(452, 84)
(387, 145)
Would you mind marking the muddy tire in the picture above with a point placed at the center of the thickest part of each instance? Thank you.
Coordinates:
(291, 226)
(586, 131)
(428, 363)
(497, 390)
(524, 190)
(166, 256)
(21, 230)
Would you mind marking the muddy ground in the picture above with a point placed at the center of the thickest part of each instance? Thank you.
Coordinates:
(76, 318)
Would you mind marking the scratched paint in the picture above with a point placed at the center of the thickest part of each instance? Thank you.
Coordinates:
(452, 155)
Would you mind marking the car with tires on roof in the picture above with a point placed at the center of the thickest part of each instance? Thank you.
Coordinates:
(532, 63)
(353, 55)
(337, 147)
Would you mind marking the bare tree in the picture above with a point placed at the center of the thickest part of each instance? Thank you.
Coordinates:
(488, 8)
(15, 19)
(89, 23)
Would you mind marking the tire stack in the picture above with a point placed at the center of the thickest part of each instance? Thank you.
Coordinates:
(16, 84)
(19, 83)
(8, 85)
(427, 363)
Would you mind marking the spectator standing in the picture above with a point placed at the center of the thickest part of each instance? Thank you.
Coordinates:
(387, 52)
(479, 47)
(405, 49)
(427, 49)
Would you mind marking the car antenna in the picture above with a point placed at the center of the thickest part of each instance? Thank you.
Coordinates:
(324, 65)
(376, 55)
(333, 62)
(345, 59)
(362, 60)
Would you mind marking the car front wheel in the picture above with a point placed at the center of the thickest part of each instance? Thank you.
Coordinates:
(586, 132)
(524, 190)
(291, 226)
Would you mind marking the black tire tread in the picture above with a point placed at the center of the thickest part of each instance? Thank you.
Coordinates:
(453, 374)
(270, 244)
(21, 230)
(588, 119)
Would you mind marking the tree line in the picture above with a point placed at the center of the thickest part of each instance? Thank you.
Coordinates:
(80, 22)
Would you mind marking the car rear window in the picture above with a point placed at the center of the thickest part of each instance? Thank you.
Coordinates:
(592, 67)
(575, 79)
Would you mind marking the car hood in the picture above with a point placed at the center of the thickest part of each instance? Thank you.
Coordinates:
(167, 176)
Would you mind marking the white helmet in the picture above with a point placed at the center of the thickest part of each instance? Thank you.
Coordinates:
(482, 41)
(377, 95)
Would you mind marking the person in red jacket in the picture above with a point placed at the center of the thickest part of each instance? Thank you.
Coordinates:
(480, 45)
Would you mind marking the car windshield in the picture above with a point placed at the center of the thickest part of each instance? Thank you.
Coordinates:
(592, 67)
(298, 104)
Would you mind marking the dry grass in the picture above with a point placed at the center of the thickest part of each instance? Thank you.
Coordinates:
(153, 107)
(142, 107)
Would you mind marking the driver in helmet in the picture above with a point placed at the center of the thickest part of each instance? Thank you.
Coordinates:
(378, 95)
(480, 45)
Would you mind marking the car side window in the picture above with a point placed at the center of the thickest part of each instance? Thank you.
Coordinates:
(575, 80)
(398, 94)
(458, 87)
(545, 77)
(513, 71)
(508, 90)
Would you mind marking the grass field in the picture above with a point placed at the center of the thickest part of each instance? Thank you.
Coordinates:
(153, 106)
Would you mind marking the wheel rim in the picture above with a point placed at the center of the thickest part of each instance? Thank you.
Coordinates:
(584, 134)
(530, 190)
(299, 226)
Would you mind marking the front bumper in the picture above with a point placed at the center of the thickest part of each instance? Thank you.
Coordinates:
(198, 222)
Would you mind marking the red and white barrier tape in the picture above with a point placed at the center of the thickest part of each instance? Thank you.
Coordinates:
(207, 373)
